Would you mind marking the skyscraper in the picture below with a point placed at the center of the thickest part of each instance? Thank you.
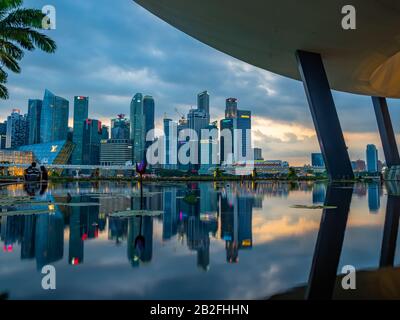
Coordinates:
(203, 103)
(105, 134)
(226, 140)
(242, 136)
(317, 160)
(54, 118)
(170, 144)
(231, 108)
(149, 106)
(17, 130)
(372, 158)
(3, 134)
(81, 113)
(91, 142)
(34, 113)
(137, 128)
(120, 128)
(258, 154)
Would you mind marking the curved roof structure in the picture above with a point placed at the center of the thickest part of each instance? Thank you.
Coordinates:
(267, 33)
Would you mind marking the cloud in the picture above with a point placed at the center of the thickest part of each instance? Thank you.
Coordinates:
(113, 51)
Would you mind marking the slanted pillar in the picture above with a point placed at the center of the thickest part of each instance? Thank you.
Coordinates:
(391, 227)
(326, 120)
(329, 244)
(386, 131)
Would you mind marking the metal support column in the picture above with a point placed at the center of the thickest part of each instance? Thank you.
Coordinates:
(326, 120)
(386, 131)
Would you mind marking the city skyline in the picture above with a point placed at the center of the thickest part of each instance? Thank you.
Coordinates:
(110, 77)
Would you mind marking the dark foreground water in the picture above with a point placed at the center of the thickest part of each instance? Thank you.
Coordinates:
(212, 241)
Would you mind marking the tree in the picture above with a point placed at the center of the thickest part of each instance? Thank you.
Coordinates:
(18, 32)
(292, 174)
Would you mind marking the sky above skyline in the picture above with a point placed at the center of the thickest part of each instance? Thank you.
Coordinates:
(111, 50)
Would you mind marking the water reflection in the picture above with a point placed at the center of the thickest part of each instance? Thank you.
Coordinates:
(242, 231)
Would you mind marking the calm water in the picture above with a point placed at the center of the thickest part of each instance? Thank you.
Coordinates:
(213, 241)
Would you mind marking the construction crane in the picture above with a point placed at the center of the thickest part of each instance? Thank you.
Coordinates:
(180, 113)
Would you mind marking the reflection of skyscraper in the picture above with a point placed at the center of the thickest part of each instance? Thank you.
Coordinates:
(374, 201)
(49, 241)
(236, 225)
(170, 214)
(28, 238)
(318, 193)
(76, 255)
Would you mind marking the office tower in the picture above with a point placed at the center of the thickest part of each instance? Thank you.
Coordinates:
(3, 134)
(258, 154)
(197, 120)
(226, 140)
(231, 108)
(137, 128)
(17, 130)
(242, 136)
(91, 142)
(183, 124)
(120, 128)
(54, 118)
(170, 144)
(209, 150)
(317, 160)
(81, 113)
(149, 106)
(34, 113)
(115, 152)
(372, 158)
(358, 165)
(203, 103)
(105, 134)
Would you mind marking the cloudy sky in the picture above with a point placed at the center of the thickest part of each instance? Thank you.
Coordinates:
(109, 50)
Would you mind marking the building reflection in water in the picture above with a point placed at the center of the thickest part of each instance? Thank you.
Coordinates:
(374, 200)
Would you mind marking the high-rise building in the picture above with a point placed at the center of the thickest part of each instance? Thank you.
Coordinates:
(91, 142)
(231, 108)
(3, 134)
(81, 113)
(105, 134)
(120, 128)
(203, 103)
(183, 124)
(149, 109)
(242, 136)
(358, 165)
(54, 118)
(226, 141)
(137, 128)
(34, 114)
(317, 160)
(170, 144)
(258, 154)
(209, 151)
(372, 158)
(17, 130)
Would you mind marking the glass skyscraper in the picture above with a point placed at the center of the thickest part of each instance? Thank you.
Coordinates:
(317, 160)
(372, 158)
(81, 113)
(54, 118)
(120, 128)
(91, 142)
(170, 145)
(17, 130)
(137, 128)
(203, 103)
(242, 142)
(34, 113)
(149, 106)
